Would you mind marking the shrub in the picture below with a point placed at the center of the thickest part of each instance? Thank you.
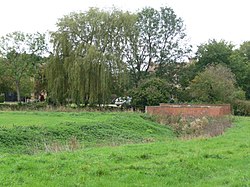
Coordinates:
(24, 106)
(241, 107)
(2, 98)
(150, 92)
(216, 84)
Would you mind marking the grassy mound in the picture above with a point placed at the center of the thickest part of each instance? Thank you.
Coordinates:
(29, 132)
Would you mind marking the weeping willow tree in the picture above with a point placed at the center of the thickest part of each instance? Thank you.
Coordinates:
(87, 63)
(89, 78)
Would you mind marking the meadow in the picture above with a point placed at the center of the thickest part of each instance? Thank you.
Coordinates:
(117, 149)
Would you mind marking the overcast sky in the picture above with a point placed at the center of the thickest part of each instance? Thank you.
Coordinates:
(204, 19)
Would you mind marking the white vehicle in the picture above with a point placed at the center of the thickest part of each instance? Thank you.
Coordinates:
(123, 100)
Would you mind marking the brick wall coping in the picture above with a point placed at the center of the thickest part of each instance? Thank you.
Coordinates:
(189, 106)
(169, 104)
(185, 106)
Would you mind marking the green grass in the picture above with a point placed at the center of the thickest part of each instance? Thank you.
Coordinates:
(218, 161)
(54, 118)
(26, 132)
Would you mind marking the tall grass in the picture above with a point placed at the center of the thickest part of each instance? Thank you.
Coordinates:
(189, 127)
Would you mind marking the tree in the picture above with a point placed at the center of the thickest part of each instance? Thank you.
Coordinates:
(215, 84)
(19, 51)
(40, 79)
(157, 39)
(5, 83)
(240, 66)
(126, 46)
(186, 73)
(150, 92)
(222, 52)
(213, 52)
(243, 70)
(245, 49)
(87, 64)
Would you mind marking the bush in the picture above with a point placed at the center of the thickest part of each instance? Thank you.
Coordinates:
(241, 107)
(150, 92)
(2, 98)
(214, 85)
(24, 106)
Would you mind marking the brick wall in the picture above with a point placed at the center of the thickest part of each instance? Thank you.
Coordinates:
(189, 110)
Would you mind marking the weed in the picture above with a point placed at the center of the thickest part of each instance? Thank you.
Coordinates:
(189, 127)
(71, 145)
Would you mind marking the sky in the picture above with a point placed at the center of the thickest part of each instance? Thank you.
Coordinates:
(204, 19)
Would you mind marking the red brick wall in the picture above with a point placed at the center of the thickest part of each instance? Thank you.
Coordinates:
(189, 110)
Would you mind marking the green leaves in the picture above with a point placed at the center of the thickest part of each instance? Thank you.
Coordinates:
(88, 53)
(105, 46)
(222, 52)
(214, 52)
(20, 56)
(159, 39)
(215, 84)
(150, 92)
(21, 43)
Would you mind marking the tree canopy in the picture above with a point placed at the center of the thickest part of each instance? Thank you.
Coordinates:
(213, 52)
(150, 92)
(97, 52)
(158, 40)
(20, 53)
(215, 84)
(224, 53)
(87, 63)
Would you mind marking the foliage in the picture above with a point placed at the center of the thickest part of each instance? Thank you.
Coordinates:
(222, 52)
(5, 82)
(242, 70)
(158, 40)
(98, 54)
(37, 106)
(87, 63)
(240, 66)
(2, 98)
(94, 52)
(40, 79)
(241, 107)
(213, 52)
(245, 49)
(150, 92)
(220, 161)
(20, 54)
(215, 84)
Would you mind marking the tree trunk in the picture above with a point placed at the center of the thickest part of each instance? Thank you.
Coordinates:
(18, 91)
(149, 64)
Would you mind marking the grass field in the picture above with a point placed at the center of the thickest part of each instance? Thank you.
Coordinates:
(148, 154)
